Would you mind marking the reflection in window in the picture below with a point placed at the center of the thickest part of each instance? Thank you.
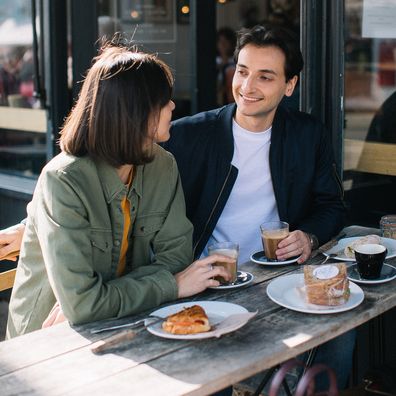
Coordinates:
(370, 133)
(16, 56)
(22, 123)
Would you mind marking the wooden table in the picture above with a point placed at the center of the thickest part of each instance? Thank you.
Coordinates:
(58, 360)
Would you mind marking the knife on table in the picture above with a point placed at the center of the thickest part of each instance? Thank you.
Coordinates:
(125, 335)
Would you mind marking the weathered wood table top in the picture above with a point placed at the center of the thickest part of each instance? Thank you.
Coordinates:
(58, 360)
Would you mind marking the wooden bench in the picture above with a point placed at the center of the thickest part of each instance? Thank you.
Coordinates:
(7, 279)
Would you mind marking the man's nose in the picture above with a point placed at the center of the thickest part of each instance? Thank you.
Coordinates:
(247, 84)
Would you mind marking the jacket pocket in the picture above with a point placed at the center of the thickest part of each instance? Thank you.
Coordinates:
(148, 224)
(101, 242)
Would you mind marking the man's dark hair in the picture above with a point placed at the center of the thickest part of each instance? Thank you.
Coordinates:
(122, 95)
(268, 36)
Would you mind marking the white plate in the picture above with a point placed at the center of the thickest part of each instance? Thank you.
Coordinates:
(284, 291)
(259, 258)
(243, 279)
(389, 243)
(388, 273)
(217, 311)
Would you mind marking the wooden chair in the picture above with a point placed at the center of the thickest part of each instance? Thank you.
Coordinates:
(7, 279)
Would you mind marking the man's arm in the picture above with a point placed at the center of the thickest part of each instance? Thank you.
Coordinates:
(10, 241)
(326, 213)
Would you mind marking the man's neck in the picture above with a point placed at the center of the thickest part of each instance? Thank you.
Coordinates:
(254, 123)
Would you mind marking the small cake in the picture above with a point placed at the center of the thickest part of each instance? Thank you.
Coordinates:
(188, 321)
(326, 284)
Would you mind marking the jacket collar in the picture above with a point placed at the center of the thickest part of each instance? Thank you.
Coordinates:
(225, 117)
(112, 184)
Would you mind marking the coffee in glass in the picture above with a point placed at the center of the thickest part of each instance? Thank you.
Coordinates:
(272, 233)
(229, 249)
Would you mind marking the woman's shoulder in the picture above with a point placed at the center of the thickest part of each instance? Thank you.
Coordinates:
(162, 157)
(69, 166)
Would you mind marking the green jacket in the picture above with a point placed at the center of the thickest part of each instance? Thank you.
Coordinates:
(73, 235)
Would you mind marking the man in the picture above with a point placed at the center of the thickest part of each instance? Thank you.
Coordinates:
(256, 161)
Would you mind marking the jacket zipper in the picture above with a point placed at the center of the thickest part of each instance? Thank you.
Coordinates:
(214, 207)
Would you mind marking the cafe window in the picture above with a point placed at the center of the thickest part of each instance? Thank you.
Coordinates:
(370, 116)
(162, 27)
(23, 123)
(236, 14)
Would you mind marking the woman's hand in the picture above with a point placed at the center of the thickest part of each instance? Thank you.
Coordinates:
(199, 275)
(295, 244)
(54, 317)
(10, 242)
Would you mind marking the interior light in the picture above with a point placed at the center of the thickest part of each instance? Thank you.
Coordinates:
(134, 14)
(185, 9)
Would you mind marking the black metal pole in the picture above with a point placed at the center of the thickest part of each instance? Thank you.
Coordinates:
(39, 92)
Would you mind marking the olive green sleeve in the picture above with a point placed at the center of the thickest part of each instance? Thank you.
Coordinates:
(64, 234)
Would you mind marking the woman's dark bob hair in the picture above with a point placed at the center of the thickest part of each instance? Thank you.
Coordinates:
(122, 94)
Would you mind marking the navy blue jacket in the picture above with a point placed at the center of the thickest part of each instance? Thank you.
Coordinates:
(307, 188)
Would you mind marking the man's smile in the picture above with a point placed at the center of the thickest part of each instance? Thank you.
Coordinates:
(249, 98)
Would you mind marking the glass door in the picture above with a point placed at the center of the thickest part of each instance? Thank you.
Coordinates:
(369, 158)
(23, 120)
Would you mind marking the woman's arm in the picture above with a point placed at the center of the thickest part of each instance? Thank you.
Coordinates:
(10, 242)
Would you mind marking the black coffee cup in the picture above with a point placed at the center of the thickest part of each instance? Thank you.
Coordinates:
(370, 258)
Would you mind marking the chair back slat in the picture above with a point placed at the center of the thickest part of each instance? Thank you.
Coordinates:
(7, 279)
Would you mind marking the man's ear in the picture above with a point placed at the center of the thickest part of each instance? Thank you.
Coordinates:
(290, 85)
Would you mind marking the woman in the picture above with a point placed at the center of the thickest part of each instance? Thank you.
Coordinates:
(106, 234)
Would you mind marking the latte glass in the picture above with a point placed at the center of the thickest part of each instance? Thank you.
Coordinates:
(229, 249)
(271, 234)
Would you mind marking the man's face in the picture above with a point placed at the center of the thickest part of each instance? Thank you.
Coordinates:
(259, 85)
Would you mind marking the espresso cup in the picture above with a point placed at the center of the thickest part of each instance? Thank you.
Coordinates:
(229, 249)
(272, 233)
(370, 258)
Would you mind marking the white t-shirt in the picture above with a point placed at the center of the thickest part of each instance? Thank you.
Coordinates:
(252, 199)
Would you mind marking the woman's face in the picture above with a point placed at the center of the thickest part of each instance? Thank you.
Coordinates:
(162, 128)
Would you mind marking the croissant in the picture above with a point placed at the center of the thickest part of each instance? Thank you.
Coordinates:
(188, 321)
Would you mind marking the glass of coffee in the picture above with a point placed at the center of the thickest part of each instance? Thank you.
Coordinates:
(272, 233)
(229, 249)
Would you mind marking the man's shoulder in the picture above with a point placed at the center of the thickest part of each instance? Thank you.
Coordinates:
(298, 116)
(298, 120)
(204, 119)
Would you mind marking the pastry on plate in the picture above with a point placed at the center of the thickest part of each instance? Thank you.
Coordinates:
(326, 284)
(190, 320)
(349, 250)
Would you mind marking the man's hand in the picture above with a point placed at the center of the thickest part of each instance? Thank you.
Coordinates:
(295, 244)
(54, 317)
(10, 242)
(199, 275)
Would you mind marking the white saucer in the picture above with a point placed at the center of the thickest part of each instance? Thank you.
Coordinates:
(259, 258)
(388, 273)
(338, 250)
(287, 291)
(243, 279)
(217, 311)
